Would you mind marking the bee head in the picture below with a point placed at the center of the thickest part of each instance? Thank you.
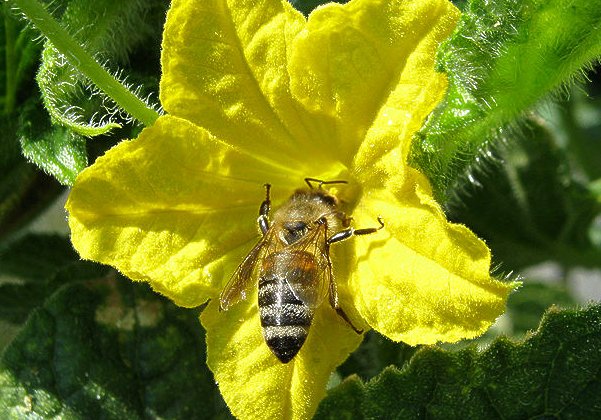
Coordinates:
(315, 195)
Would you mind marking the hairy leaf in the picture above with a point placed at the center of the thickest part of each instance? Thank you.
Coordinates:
(504, 57)
(554, 373)
(117, 28)
(57, 150)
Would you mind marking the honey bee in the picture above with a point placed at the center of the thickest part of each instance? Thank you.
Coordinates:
(293, 266)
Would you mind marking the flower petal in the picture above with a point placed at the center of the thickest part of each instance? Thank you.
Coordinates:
(372, 60)
(170, 207)
(224, 68)
(422, 279)
(253, 382)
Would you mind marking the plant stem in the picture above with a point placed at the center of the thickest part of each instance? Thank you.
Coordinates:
(83, 62)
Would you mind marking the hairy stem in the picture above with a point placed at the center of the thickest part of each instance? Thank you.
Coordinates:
(84, 63)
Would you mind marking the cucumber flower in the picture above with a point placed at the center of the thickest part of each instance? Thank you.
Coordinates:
(256, 93)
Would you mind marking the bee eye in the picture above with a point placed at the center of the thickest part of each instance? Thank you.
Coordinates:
(294, 231)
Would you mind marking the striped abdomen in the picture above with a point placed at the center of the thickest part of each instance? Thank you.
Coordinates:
(284, 317)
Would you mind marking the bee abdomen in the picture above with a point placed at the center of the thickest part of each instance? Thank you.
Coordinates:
(285, 341)
(287, 314)
(284, 318)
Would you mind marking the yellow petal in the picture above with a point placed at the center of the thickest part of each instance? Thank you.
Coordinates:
(253, 382)
(170, 207)
(224, 68)
(372, 62)
(422, 279)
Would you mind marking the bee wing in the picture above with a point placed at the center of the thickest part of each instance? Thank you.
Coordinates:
(314, 288)
(236, 288)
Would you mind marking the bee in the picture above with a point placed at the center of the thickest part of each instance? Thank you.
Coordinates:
(293, 266)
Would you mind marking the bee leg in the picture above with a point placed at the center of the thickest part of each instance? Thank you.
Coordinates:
(367, 231)
(337, 237)
(338, 309)
(347, 233)
(263, 219)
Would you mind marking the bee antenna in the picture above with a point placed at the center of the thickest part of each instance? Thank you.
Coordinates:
(321, 182)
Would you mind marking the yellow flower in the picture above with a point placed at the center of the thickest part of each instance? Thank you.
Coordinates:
(255, 93)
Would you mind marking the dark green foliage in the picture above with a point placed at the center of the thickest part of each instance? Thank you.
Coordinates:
(109, 349)
(94, 344)
(526, 307)
(17, 173)
(530, 209)
(553, 374)
(374, 354)
(307, 6)
(26, 122)
(42, 264)
(19, 56)
(34, 257)
(23, 190)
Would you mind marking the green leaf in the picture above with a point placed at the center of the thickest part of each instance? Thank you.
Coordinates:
(504, 57)
(108, 30)
(530, 209)
(57, 150)
(109, 350)
(552, 374)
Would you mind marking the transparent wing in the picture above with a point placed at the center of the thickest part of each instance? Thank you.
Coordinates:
(236, 288)
(312, 259)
